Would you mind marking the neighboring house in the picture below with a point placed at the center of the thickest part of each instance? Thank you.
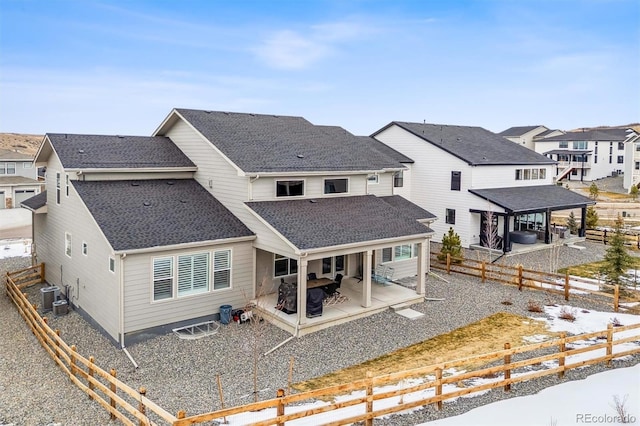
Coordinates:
(632, 162)
(18, 178)
(147, 233)
(480, 184)
(528, 135)
(587, 155)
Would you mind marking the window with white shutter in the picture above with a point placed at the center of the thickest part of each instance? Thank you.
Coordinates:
(163, 278)
(221, 269)
(193, 274)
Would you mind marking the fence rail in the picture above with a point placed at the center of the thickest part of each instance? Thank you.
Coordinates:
(604, 236)
(122, 402)
(132, 407)
(551, 282)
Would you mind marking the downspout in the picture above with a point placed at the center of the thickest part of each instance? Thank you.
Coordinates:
(251, 180)
(124, 349)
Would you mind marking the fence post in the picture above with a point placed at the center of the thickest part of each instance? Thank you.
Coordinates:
(616, 297)
(507, 371)
(520, 277)
(369, 407)
(439, 387)
(448, 263)
(604, 237)
(484, 271)
(57, 331)
(73, 360)
(609, 343)
(141, 407)
(42, 279)
(566, 286)
(280, 408)
(91, 385)
(181, 414)
(562, 349)
(112, 386)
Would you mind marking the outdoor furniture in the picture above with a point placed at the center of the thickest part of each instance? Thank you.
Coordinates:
(319, 282)
(334, 286)
(382, 275)
(523, 237)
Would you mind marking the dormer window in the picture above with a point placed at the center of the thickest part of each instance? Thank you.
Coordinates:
(289, 188)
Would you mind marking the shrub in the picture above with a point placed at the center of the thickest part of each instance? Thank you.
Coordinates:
(572, 224)
(592, 217)
(616, 322)
(567, 315)
(594, 191)
(451, 245)
(533, 306)
(507, 302)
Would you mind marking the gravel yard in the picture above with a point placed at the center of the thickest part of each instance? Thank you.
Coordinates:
(180, 374)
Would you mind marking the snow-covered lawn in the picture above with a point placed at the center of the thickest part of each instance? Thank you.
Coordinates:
(14, 248)
(566, 402)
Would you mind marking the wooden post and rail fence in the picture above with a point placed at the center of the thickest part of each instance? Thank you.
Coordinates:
(604, 236)
(608, 295)
(434, 385)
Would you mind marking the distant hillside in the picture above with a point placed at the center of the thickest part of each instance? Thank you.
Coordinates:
(634, 126)
(26, 144)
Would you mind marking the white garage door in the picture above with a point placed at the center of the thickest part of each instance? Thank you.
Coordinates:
(21, 195)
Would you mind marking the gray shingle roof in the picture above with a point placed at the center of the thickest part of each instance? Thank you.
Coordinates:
(518, 130)
(37, 201)
(386, 150)
(613, 135)
(17, 180)
(259, 143)
(327, 222)
(104, 152)
(7, 154)
(475, 145)
(408, 208)
(530, 198)
(155, 213)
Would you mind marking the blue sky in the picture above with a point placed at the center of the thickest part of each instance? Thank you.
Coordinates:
(119, 67)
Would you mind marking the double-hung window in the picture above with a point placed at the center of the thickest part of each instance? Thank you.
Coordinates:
(518, 174)
(398, 179)
(543, 174)
(402, 252)
(193, 274)
(222, 269)
(163, 278)
(66, 184)
(563, 144)
(58, 188)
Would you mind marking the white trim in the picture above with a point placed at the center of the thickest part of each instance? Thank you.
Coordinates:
(68, 244)
(334, 194)
(288, 197)
(112, 260)
(187, 245)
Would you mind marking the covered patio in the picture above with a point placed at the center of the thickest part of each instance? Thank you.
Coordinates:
(522, 215)
(326, 238)
(350, 306)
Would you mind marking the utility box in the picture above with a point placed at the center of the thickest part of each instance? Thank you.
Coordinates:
(48, 296)
(60, 307)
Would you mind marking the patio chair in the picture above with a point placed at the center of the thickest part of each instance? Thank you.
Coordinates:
(378, 274)
(388, 276)
(334, 286)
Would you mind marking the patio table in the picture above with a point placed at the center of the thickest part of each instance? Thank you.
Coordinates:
(318, 282)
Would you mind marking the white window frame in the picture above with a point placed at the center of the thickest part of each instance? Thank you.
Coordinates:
(170, 276)
(112, 264)
(398, 179)
(373, 179)
(394, 254)
(333, 265)
(543, 174)
(66, 184)
(226, 268)
(324, 186)
(190, 279)
(304, 188)
(518, 174)
(58, 188)
(67, 244)
(27, 165)
(85, 248)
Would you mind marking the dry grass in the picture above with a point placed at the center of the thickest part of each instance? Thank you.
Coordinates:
(533, 306)
(487, 335)
(567, 314)
(27, 144)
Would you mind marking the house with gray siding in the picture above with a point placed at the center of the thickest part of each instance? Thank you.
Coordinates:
(18, 178)
(151, 233)
(491, 191)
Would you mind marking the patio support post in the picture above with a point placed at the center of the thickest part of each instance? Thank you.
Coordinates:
(547, 227)
(506, 241)
(366, 279)
(302, 291)
(421, 268)
(583, 222)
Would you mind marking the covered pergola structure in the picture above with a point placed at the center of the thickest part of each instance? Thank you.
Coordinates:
(529, 208)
